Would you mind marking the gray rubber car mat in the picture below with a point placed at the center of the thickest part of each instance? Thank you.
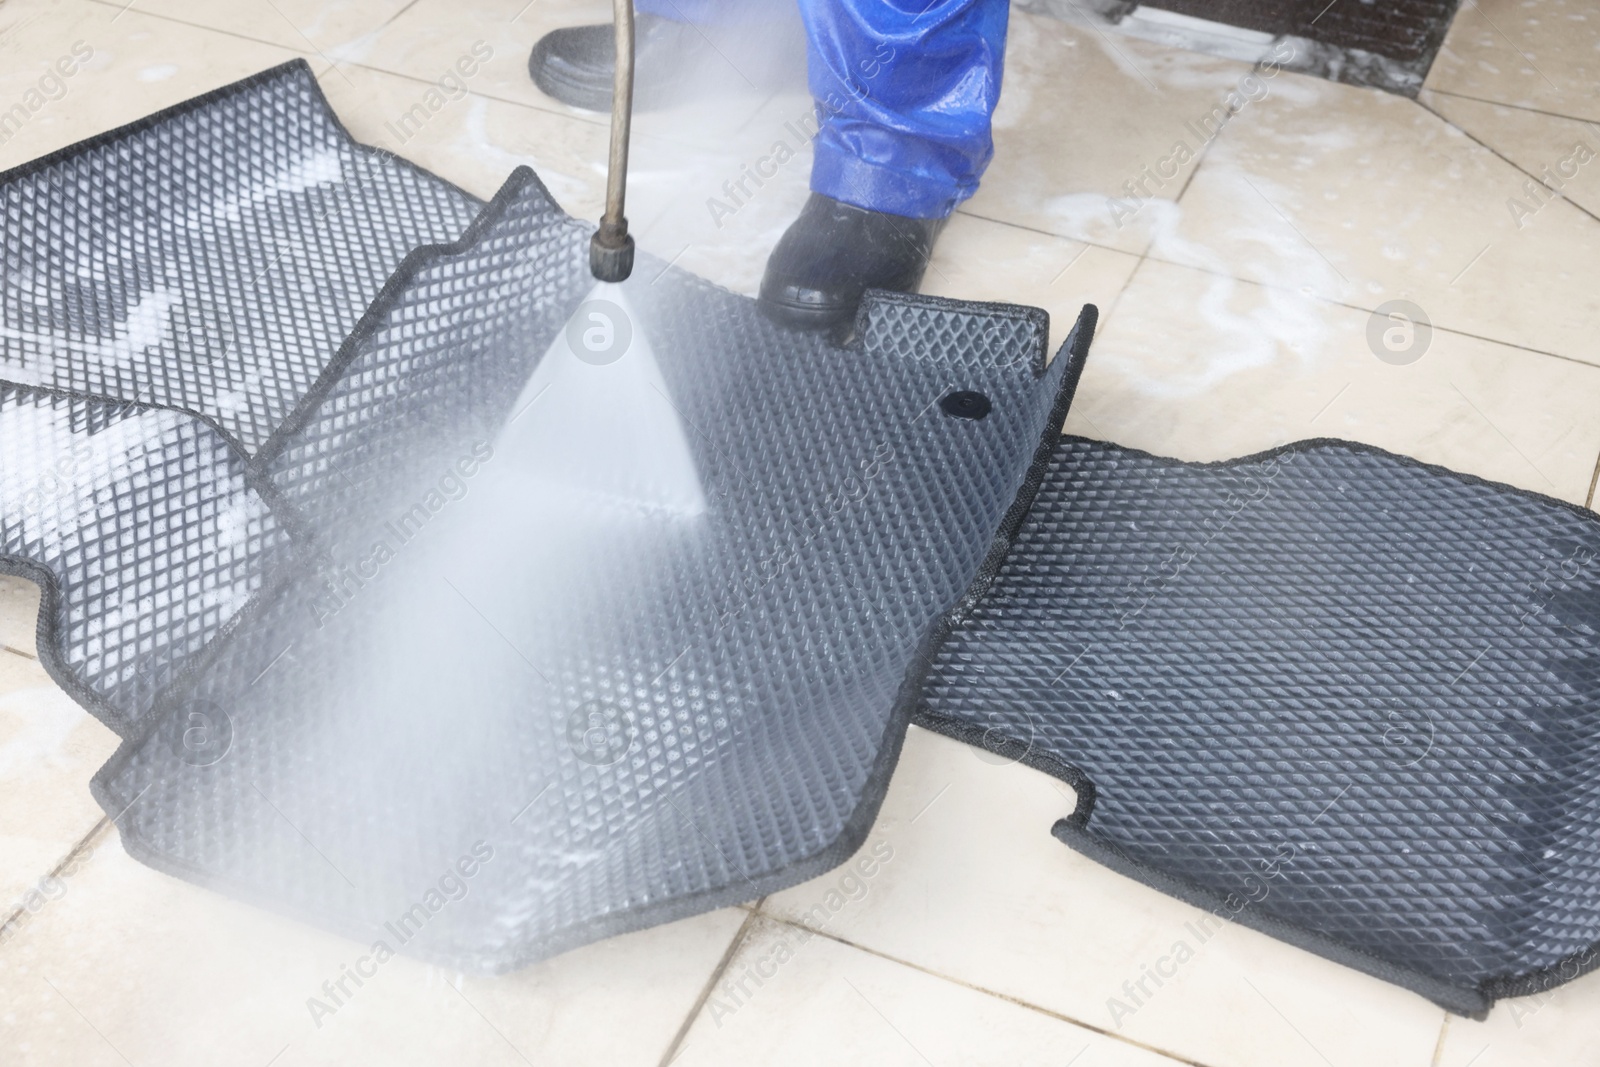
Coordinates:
(1326, 691)
(638, 716)
(474, 698)
(201, 266)
(148, 521)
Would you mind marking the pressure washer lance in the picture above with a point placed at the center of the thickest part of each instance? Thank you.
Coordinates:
(611, 248)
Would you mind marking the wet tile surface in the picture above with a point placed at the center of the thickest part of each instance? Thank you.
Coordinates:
(1246, 262)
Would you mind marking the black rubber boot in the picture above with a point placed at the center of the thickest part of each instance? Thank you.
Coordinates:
(673, 62)
(835, 252)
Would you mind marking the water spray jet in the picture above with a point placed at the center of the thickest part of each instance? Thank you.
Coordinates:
(608, 434)
(594, 426)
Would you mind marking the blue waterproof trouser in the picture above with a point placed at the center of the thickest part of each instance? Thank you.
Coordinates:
(905, 90)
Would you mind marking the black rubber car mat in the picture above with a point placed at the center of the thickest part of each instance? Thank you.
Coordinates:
(277, 350)
(613, 711)
(1333, 693)
(144, 528)
(748, 673)
(200, 267)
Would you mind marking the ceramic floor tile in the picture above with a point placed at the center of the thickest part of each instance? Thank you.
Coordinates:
(793, 997)
(679, 210)
(981, 260)
(967, 882)
(1366, 197)
(432, 34)
(1544, 55)
(49, 748)
(1551, 1028)
(471, 140)
(1561, 152)
(1083, 114)
(19, 615)
(126, 65)
(1204, 367)
(131, 966)
(337, 30)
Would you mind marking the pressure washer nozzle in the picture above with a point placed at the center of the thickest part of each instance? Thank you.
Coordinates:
(611, 249)
(611, 252)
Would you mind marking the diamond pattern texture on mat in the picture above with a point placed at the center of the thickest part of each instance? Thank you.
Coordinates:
(1361, 692)
(640, 713)
(212, 260)
(144, 520)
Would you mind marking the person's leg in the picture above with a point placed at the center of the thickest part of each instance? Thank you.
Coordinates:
(905, 91)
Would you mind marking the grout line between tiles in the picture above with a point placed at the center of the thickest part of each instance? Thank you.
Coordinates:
(1047, 233)
(676, 1045)
(1507, 160)
(97, 830)
(388, 21)
(1368, 311)
(1105, 319)
(1199, 162)
(1174, 1056)
(1438, 1046)
(1594, 478)
(589, 118)
(1517, 107)
(1144, 254)
(201, 26)
(1282, 289)
(1274, 287)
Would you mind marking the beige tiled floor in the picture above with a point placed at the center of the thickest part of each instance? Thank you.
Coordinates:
(1237, 312)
